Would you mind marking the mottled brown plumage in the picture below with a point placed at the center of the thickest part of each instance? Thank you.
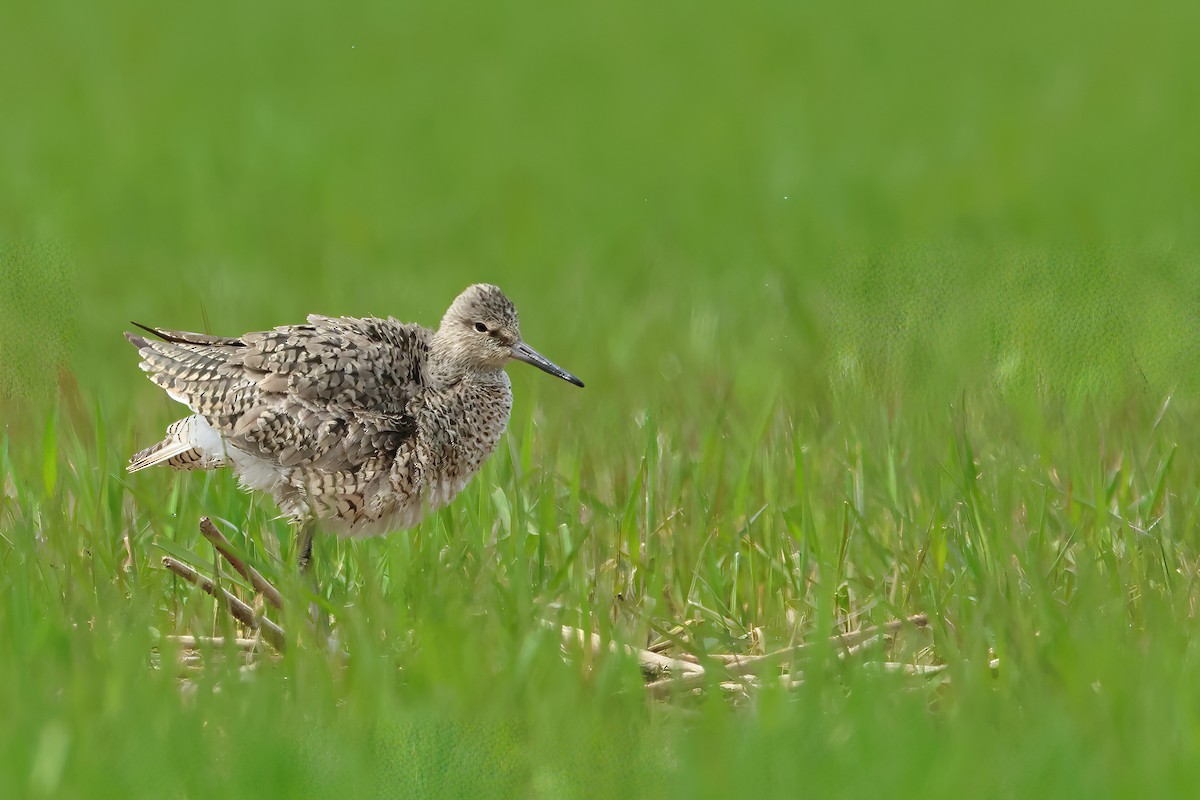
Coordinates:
(362, 424)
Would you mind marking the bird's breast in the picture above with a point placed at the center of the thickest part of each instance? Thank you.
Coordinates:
(459, 431)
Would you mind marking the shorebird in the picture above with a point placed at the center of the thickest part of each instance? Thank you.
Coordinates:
(361, 426)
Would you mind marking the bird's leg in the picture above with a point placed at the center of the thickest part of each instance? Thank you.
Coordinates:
(304, 541)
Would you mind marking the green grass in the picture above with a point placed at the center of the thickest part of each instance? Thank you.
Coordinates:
(881, 311)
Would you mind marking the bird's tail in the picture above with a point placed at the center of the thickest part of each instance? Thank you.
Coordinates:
(182, 448)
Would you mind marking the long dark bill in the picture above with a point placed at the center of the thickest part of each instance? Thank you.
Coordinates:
(523, 352)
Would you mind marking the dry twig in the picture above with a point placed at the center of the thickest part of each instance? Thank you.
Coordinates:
(237, 608)
(186, 642)
(908, 669)
(223, 546)
(654, 665)
(743, 666)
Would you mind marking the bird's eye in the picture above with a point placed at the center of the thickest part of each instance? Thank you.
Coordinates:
(479, 326)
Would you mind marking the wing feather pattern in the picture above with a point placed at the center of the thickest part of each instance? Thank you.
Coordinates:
(334, 393)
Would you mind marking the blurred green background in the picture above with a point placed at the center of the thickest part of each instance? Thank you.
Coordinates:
(857, 284)
(914, 193)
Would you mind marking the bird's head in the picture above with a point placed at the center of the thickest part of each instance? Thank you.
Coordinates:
(480, 331)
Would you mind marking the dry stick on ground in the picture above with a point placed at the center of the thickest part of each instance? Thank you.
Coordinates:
(852, 642)
(194, 650)
(240, 611)
(908, 669)
(260, 584)
(187, 642)
(653, 664)
(863, 646)
(742, 665)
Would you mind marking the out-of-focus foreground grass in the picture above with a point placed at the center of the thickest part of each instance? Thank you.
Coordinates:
(881, 310)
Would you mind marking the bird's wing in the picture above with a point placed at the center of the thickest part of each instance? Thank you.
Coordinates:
(332, 393)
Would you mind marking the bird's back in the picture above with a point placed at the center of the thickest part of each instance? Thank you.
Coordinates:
(316, 413)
